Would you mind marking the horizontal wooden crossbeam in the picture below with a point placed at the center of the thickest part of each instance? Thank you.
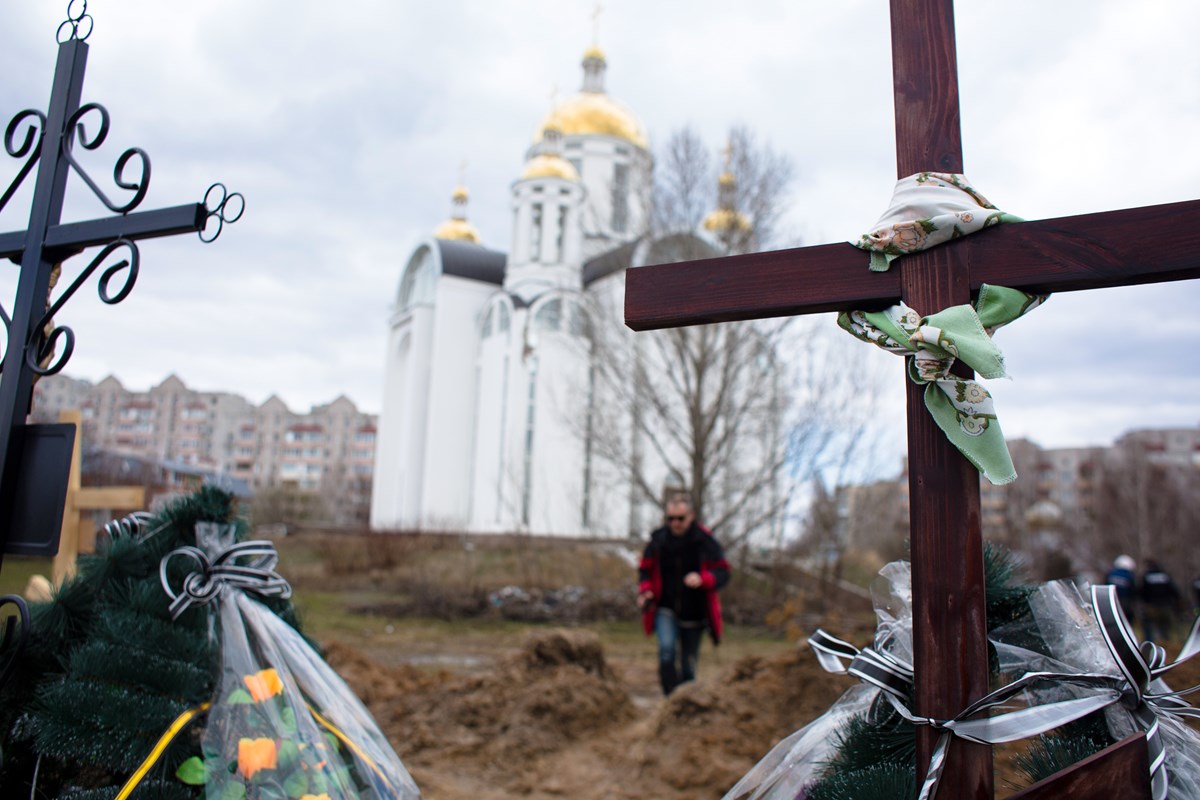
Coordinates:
(1091, 251)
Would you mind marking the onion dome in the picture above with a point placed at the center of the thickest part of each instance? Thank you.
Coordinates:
(457, 228)
(726, 219)
(548, 161)
(592, 111)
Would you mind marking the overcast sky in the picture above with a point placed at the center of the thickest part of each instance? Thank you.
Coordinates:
(345, 126)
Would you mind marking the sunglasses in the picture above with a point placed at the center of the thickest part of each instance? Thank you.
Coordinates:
(672, 518)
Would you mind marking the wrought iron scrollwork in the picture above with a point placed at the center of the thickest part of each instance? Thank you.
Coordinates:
(76, 21)
(12, 642)
(42, 346)
(7, 333)
(30, 147)
(223, 206)
(76, 129)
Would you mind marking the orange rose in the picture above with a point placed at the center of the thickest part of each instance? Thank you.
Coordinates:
(255, 754)
(263, 684)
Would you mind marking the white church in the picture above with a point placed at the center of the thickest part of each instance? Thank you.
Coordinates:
(490, 397)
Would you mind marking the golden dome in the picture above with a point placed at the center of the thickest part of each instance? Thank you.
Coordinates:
(548, 165)
(726, 219)
(594, 52)
(726, 179)
(457, 230)
(595, 113)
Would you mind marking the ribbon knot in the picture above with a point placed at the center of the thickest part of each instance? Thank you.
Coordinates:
(961, 407)
(1142, 667)
(212, 575)
(1139, 688)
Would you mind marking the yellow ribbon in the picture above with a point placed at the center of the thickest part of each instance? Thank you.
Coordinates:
(164, 741)
(186, 717)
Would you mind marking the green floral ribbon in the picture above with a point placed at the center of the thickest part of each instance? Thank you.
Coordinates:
(961, 407)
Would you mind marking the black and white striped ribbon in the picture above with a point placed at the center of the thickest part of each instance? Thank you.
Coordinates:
(1140, 670)
(254, 574)
(880, 669)
(1143, 667)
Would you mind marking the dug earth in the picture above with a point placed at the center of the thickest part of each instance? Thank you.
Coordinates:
(555, 719)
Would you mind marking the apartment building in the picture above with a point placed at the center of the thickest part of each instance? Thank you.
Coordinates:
(329, 450)
(1063, 502)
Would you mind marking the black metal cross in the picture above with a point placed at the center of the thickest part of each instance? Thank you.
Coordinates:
(1116, 248)
(32, 456)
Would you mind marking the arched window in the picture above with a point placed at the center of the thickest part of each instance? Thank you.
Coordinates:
(497, 320)
(417, 285)
(549, 316)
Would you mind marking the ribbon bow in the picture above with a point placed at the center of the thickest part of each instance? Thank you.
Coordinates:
(895, 677)
(961, 407)
(1142, 668)
(1139, 684)
(204, 584)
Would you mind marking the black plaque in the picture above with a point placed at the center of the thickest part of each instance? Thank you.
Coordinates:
(36, 488)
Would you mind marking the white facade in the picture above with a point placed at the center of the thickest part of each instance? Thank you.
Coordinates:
(488, 391)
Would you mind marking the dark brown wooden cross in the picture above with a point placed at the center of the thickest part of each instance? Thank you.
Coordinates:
(1118, 248)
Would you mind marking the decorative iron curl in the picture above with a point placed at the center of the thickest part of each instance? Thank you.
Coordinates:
(7, 332)
(42, 345)
(138, 187)
(75, 21)
(34, 132)
(227, 208)
(13, 640)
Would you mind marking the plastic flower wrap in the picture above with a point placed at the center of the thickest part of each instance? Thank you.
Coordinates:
(1064, 623)
(281, 725)
(1068, 658)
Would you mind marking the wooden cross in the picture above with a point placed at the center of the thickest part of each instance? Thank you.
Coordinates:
(78, 532)
(1118, 248)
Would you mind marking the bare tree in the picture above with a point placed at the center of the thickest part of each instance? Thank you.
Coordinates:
(738, 414)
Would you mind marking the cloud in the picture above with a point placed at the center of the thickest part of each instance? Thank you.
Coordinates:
(345, 126)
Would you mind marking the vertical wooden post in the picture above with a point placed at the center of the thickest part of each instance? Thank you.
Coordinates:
(68, 542)
(949, 610)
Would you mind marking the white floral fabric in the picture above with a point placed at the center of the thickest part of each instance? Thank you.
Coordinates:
(927, 209)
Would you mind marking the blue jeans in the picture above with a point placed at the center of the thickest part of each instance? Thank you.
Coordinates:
(678, 649)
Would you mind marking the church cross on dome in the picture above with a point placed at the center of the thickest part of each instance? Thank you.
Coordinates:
(596, 25)
(1108, 249)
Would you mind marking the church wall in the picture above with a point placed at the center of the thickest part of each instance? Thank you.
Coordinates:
(450, 422)
(557, 491)
(490, 507)
(396, 494)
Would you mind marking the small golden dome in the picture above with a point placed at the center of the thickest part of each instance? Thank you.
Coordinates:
(457, 230)
(595, 113)
(726, 179)
(594, 52)
(726, 220)
(548, 165)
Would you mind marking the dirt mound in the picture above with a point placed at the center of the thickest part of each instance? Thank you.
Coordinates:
(556, 720)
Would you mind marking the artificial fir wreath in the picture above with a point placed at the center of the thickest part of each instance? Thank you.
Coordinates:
(172, 668)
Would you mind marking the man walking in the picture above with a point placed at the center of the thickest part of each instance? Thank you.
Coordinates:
(682, 569)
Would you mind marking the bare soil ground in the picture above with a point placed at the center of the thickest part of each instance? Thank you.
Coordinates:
(554, 718)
